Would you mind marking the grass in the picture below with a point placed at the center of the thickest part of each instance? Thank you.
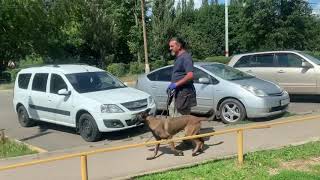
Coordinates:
(12, 149)
(269, 165)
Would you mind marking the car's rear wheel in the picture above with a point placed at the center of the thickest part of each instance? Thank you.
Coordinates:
(88, 128)
(232, 111)
(24, 118)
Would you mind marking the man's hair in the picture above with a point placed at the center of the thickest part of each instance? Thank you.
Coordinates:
(180, 41)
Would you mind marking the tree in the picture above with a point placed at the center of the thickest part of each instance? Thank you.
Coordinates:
(163, 27)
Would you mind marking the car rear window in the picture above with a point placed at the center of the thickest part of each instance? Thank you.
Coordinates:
(23, 80)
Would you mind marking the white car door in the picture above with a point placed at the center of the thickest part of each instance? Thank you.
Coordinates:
(38, 99)
(61, 105)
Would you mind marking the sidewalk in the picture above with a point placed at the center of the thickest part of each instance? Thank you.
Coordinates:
(126, 163)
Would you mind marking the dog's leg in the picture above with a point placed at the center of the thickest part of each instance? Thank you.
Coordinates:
(198, 147)
(202, 144)
(177, 152)
(156, 149)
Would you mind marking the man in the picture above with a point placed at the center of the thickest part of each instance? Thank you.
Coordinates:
(182, 78)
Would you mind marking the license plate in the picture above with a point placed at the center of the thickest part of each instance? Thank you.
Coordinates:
(284, 102)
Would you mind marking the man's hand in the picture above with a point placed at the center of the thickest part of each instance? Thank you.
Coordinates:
(172, 86)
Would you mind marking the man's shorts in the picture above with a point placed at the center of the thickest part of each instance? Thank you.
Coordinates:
(185, 99)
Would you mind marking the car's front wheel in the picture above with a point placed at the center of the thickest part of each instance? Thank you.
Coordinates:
(88, 128)
(232, 111)
(24, 118)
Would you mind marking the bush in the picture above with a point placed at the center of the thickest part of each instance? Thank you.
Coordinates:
(157, 64)
(32, 60)
(6, 76)
(136, 68)
(10, 75)
(219, 59)
(117, 69)
(313, 53)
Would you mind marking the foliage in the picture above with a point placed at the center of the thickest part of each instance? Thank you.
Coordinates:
(117, 69)
(101, 32)
(136, 68)
(219, 59)
(162, 27)
(157, 64)
(31, 60)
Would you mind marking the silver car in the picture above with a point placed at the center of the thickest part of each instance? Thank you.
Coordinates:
(232, 94)
(295, 71)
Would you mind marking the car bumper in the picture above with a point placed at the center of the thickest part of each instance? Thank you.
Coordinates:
(268, 106)
(127, 119)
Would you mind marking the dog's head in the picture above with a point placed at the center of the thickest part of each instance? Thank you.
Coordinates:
(142, 116)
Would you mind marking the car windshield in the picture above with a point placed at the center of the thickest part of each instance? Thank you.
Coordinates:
(226, 72)
(93, 81)
(311, 58)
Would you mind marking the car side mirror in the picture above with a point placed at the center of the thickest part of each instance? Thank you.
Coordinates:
(306, 64)
(64, 92)
(204, 80)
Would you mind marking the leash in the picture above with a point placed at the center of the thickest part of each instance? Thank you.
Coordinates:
(170, 95)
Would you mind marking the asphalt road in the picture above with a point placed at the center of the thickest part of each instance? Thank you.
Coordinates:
(54, 137)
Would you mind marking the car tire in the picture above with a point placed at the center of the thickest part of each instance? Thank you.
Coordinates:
(232, 111)
(88, 128)
(23, 117)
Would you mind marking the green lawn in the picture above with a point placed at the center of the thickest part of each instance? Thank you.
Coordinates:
(11, 149)
(290, 163)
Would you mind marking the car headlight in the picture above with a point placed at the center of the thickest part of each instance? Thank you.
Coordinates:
(255, 91)
(151, 101)
(110, 108)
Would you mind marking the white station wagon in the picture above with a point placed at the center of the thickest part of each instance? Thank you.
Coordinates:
(81, 96)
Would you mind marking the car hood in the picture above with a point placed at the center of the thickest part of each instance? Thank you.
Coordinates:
(116, 96)
(266, 86)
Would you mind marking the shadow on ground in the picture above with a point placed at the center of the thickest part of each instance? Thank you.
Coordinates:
(305, 98)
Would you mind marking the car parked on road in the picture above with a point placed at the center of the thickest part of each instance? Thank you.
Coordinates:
(297, 72)
(231, 93)
(85, 97)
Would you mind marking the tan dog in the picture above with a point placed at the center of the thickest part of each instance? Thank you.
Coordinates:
(166, 128)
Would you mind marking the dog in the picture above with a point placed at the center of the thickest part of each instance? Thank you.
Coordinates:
(166, 128)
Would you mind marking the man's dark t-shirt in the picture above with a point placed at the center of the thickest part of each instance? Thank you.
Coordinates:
(185, 96)
(182, 65)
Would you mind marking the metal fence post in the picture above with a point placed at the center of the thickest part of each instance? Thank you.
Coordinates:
(84, 168)
(240, 146)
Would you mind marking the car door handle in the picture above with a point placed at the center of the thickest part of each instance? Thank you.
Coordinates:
(281, 71)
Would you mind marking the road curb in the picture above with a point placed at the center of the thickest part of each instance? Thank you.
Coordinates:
(32, 147)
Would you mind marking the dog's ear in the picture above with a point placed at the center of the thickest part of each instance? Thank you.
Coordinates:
(147, 111)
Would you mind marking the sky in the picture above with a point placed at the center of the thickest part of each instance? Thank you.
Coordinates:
(314, 3)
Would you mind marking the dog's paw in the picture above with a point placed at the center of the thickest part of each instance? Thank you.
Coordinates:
(197, 153)
(150, 158)
(180, 153)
